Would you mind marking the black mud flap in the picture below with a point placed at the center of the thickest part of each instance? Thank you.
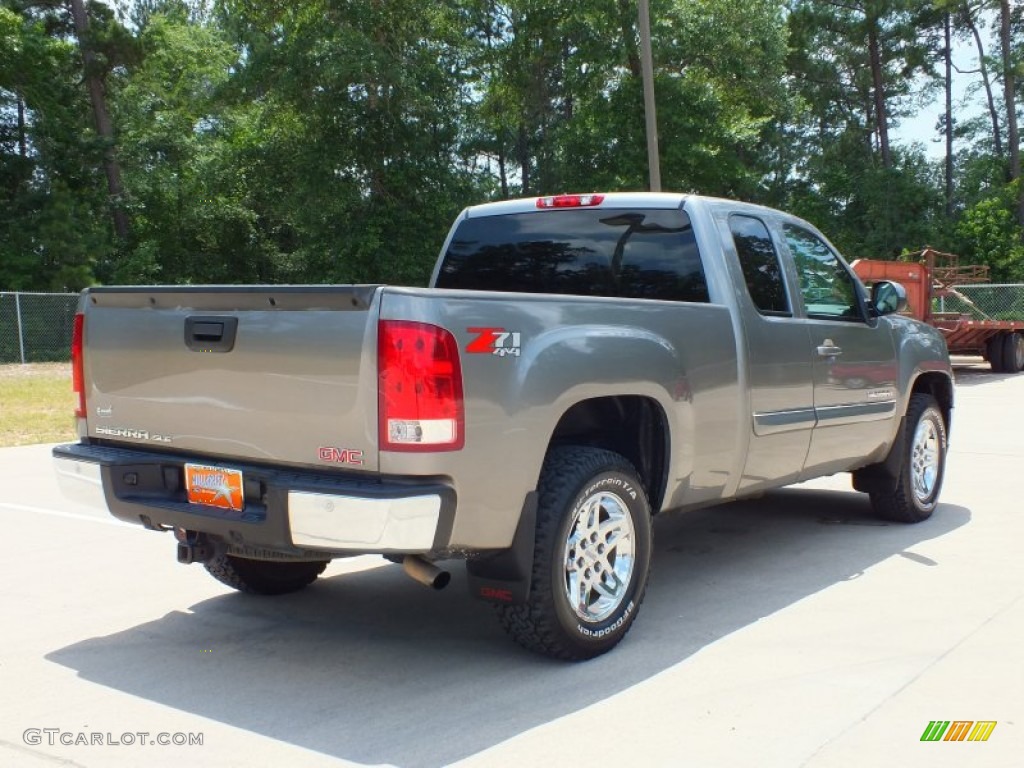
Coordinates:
(504, 577)
(884, 476)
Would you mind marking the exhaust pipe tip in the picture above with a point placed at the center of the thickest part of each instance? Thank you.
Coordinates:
(425, 572)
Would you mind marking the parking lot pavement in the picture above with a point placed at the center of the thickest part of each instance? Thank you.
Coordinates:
(790, 631)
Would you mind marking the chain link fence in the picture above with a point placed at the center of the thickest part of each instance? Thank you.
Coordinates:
(36, 327)
(983, 302)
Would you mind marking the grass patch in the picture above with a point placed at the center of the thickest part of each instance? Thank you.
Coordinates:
(36, 404)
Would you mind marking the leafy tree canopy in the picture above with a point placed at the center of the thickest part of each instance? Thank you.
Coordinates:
(188, 141)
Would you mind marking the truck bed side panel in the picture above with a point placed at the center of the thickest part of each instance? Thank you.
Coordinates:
(680, 355)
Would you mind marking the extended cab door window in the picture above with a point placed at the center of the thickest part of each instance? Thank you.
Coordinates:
(828, 289)
(762, 270)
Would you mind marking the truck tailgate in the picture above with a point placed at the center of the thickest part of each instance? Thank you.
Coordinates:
(284, 374)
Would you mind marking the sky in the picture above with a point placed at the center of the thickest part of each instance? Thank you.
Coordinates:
(921, 128)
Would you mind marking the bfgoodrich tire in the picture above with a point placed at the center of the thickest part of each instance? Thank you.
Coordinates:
(924, 465)
(591, 557)
(263, 577)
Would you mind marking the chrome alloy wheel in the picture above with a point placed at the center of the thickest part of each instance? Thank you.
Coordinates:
(599, 557)
(924, 460)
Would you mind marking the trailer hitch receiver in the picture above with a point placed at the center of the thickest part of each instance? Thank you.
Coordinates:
(193, 546)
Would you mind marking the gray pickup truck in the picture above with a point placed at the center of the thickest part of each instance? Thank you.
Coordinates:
(578, 364)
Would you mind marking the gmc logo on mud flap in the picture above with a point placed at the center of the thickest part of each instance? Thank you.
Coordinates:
(341, 455)
(502, 595)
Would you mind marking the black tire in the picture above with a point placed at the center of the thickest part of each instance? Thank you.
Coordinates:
(917, 493)
(1013, 353)
(547, 622)
(263, 577)
(994, 352)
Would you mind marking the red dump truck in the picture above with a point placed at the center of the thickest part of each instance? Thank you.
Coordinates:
(975, 316)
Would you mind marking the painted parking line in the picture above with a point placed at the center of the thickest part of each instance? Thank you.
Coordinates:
(61, 513)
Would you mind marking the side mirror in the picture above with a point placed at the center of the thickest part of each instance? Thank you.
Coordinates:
(888, 297)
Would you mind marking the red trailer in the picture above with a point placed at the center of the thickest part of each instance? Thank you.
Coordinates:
(939, 292)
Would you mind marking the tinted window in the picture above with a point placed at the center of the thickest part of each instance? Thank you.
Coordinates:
(761, 267)
(828, 288)
(642, 254)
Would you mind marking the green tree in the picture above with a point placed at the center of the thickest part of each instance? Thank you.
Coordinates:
(989, 234)
(852, 67)
(348, 127)
(330, 141)
(52, 220)
(192, 222)
(562, 100)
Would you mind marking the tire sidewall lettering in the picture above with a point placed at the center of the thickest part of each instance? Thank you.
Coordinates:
(603, 484)
(615, 625)
(619, 622)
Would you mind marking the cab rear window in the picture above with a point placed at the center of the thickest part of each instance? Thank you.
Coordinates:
(628, 253)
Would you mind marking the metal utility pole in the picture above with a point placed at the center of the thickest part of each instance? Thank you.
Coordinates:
(647, 67)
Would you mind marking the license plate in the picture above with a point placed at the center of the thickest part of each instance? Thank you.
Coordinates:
(214, 486)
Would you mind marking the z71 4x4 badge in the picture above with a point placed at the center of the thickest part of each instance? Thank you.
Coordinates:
(494, 341)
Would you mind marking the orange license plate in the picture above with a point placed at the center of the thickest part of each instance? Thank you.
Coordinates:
(214, 486)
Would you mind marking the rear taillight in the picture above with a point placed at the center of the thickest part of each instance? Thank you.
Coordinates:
(78, 364)
(420, 388)
(569, 201)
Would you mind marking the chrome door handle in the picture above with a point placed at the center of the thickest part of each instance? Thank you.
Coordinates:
(829, 349)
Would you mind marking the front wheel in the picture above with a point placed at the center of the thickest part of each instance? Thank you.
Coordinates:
(591, 558)
(924, 464)
(263, 577)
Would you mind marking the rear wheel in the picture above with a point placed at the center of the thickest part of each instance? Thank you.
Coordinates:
(591, 557)
(924, 464)
(264, 577)
(994, 352)
(1013, 353)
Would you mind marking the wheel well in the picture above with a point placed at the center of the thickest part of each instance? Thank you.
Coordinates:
(630, 425)
(940, 387)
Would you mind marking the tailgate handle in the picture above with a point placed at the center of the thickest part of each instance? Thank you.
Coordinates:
(210, 334)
